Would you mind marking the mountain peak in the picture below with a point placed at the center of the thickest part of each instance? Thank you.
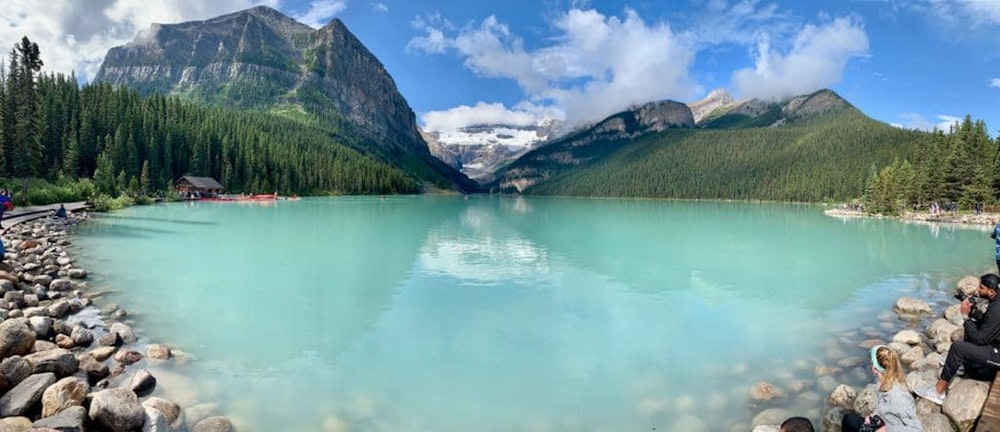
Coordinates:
(716, 99)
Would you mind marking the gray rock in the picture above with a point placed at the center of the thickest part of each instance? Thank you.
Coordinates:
(43, 345)
(222, 424)
(127, 357)
(61, 285)
(59, 309)
(912, 356)
(20, 399)
(69, 420)
(169, 409)
(15, 368)
(102, 353)
(117, 409)
(833, 419)
(909, 337)
(16, 338)
(158, 352)
(42, 325)
(82, 337)
(77, 273)
(964, 402)
(31, 300)
(864, 404)
(65, 342)
(43, 280)
(94, 369)
(124, 332)
(65, 393)
(155, 421)
(843, 396)
(935, 422)
(197, 413)
(911, 306)
(110, 339)
(60, 361)
(142, 382)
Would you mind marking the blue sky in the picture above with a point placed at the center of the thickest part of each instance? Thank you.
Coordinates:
(916, 63)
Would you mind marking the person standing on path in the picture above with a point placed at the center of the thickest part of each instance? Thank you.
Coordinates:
(995, 235)
(5, 204)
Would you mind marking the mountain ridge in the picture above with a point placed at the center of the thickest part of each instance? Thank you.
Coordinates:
(261, 59)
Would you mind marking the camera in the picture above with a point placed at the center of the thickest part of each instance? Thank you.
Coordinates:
(873, 424)
(961, 296)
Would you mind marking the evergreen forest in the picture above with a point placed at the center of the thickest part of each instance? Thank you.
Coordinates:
(55, 132)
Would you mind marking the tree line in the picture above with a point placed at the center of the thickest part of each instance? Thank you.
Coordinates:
(959, 169)
(53, 129)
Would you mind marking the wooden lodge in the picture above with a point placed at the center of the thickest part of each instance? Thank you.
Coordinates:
(198, 186)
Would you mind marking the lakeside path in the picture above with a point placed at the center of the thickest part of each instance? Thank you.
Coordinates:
(984, 219)
(29, 213)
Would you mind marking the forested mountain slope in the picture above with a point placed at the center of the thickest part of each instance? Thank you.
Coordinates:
(810, 148)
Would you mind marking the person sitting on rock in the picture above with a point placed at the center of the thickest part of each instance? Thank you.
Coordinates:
(61, 212)
(980, 348)
(894, 404)
(796, 424)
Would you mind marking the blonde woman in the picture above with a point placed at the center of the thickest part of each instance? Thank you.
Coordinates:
(895, 410)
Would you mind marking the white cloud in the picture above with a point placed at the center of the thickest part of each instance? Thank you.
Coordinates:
(995, 82)
(76, 34)
(817, 59)
(525, 114)
(595, 66)
(321, 12)
(916, 121)
(982, 11)
(380, 7)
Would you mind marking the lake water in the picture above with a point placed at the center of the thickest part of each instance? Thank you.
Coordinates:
(438, 313)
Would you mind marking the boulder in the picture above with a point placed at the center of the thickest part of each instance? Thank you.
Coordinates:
(155, 421)
(222, 424)
(94, 369)
(843, 396)
(77, 273)
(124, 332)
(864, 403)
(102, 353)
(15, 424)
(43, 345)
(833, 419)
(61, 285)
(82, 337)
(60, 361)
(65, 342)
(117, 409)
(968, 285)
(912, 356)
(940, 330)
(935, 422)
(20, 399)
(15, 368)
(194, 414)
(142, 382)
(59, 309)
(16, 338)
(169, 409)
(68, 420)
(908, 306)
(65, 393)
(964, 402)
(771, 416)
(909, 337)
(110, 339)
(158, 352)
(43, 280)
(42, 326)
(127, 357)
(765, 392)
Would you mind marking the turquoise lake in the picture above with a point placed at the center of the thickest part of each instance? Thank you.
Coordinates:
(436, 313)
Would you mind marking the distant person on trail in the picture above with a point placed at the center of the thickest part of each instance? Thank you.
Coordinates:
(61, 213)
(995, 235)
(5, 204)
(980, 349)
(895, 410)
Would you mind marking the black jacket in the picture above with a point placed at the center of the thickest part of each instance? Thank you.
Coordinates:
(984, 328)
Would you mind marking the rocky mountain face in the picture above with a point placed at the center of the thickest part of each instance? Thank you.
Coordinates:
(717, 101)
(261, 58)
(479, 150)
(762, 113)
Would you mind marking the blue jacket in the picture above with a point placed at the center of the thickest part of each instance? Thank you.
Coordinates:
(996, 235)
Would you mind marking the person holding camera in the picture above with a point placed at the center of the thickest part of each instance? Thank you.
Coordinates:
(980, 348)
(894, 410)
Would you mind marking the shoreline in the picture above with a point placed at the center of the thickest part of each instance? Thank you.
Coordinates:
(73, 362)
(971, 219)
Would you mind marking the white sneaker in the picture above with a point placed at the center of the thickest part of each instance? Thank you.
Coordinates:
(931, 394)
